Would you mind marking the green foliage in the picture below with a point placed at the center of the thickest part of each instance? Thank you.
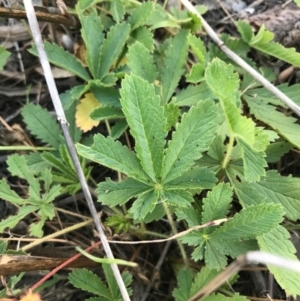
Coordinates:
(194, 149)
(90, 282)
(4, 55)
(154, 176)
(41, 194)
(262, 41)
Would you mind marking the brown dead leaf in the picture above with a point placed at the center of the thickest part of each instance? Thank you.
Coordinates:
(80, 52)
(87, 104)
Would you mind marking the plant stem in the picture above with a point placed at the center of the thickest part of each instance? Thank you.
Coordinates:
(56, 234)
(174, 230)
(229, 151)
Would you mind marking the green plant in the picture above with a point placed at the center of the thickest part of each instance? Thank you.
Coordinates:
(196, 149)
(89, 282)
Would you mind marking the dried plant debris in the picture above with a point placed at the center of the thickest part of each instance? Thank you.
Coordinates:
(282, 21)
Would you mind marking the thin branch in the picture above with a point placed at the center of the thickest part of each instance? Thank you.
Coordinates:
(41, 16)
(258, 77)
(64, 124)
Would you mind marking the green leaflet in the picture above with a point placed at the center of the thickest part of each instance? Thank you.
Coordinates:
(176, 197)
(273, 188)
(191, 138)
(111, 153)
(144, 36)
(104, 113)
(141, 62)
(117, 10)
(112, 47)
(284, 125)
(219, 297)
(88, 281)
(144, 204)
(140, 15)
(194, 178)
(173, 65)
(42, 125)
(249, 223)
(277, 242)
(92, 34)
(198, 48)
(193, 94)
(254, 162)
(214, 258)
(113, 194)
(4, 55)
(9, 195)
(263, 42)
(17, 167)
(63, 59)
(217, 203)
(184, 280)
(12, 221)
(145, 117)
(191, 215)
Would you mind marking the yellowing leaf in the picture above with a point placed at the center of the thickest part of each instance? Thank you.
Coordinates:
(83, 111)
(30, 296)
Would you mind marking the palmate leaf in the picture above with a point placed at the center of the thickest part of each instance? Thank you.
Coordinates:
(249, 223)
(61, 58)
(113, 194)
(273, 188)
(92, 34)
(173, 65)
(112, 154)
(192, 136)
(145, 117)
(112, 47)
(277, 242)
(141, 62)
(42, 125)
